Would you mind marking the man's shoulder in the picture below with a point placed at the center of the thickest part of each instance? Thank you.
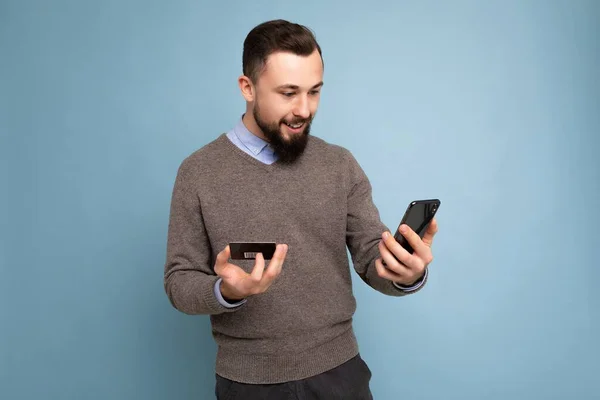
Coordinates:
(336, 157)
(206, 156)
(334, 153)
(321, 145)
(209, 151)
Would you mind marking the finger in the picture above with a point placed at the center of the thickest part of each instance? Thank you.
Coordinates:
(276, 263)
(259, 267)
(386, 273)
(413, 239)
(397, 251)
(391, 262)
(430, 233)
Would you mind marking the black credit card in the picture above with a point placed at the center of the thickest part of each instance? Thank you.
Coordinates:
(249, 250)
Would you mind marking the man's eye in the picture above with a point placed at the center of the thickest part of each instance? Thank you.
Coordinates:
(314, 92)
(288, 94)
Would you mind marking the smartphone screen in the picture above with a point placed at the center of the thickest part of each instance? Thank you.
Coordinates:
(418, 216)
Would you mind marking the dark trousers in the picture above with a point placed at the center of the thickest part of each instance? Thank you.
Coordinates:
(349, 381)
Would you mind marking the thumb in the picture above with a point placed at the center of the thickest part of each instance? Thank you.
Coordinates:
(222, 258)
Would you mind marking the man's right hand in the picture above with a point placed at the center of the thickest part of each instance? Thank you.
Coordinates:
(237, 284)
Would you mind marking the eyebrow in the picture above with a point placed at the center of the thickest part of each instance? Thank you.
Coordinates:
(296, 87)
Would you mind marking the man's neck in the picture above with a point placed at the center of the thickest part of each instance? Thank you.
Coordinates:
(251, 125)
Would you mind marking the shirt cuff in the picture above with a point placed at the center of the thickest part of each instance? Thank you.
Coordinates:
(220, 298)
(414, 287)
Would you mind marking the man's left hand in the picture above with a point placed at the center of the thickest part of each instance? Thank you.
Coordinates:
(401, 266)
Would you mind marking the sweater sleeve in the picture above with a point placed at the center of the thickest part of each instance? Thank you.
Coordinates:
(364, 230)
(189, 278)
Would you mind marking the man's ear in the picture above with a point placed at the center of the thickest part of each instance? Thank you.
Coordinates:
(247, 88)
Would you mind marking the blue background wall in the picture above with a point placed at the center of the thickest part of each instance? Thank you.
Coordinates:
(491, 106)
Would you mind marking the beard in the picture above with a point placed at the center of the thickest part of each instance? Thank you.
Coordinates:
(287, 150)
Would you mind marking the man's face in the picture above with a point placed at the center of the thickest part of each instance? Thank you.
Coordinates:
(286, 101)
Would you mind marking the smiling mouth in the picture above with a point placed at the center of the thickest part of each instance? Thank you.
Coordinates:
(295, 126)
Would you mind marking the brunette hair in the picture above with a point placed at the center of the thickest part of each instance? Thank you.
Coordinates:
(274, 36)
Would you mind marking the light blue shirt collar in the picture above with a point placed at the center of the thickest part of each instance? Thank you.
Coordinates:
(250, 140)
(251, 144)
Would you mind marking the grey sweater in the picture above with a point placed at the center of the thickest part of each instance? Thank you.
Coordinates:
(320, 206)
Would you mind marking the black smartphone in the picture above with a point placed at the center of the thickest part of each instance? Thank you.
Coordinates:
(249, 250)
(418, 216)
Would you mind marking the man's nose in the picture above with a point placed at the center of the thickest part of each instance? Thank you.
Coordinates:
(302, 109)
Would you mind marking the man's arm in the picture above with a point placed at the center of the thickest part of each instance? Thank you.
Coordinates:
(189, 279)
(363, 234)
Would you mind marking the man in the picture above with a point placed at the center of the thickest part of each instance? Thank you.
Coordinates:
(283, 329)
